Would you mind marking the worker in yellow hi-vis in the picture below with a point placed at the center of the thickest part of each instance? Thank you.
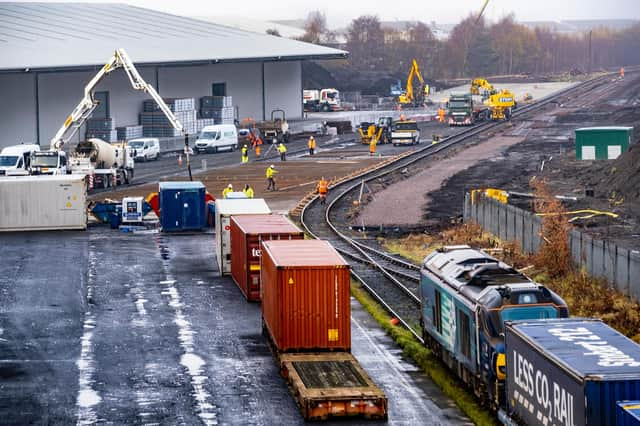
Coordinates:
(283, 151)
(245, 154)
(227, 190)
(271, 173)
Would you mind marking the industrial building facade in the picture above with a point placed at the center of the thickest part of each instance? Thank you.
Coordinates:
(51, 54)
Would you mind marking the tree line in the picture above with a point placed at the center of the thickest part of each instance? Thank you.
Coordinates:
(476, 48)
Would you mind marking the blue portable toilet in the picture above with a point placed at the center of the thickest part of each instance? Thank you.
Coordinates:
(182, 206)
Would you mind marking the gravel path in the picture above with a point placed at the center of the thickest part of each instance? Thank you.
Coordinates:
(396, 204)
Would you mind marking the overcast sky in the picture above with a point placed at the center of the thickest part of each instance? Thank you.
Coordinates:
(341, 12)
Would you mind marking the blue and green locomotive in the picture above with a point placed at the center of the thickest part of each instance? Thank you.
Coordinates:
(466, 297)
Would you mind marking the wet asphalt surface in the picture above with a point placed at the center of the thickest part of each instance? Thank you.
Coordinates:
(109, 327)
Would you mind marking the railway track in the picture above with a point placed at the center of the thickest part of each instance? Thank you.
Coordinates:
(392, 281)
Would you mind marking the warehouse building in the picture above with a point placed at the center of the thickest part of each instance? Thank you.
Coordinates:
(51, 50)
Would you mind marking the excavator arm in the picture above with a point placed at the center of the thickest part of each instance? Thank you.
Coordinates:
(408, 97)
(88, 103)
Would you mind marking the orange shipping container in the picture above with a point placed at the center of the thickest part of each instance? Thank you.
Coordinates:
(246, 233)
(305, 296)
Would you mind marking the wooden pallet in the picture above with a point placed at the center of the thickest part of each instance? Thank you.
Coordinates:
(332, 385)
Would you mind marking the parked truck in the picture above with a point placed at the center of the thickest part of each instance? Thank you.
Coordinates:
(48, 163)
(324, 100)
(462, 110)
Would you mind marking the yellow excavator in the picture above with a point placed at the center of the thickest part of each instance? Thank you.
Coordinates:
(408, 97)
(481, 83)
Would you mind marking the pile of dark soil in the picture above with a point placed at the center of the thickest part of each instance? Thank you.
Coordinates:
(623, 175)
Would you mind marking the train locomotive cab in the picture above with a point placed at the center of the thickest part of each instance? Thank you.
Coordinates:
(466, 296)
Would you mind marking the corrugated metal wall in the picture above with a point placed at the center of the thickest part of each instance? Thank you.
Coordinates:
(619, 265)
(59, 93)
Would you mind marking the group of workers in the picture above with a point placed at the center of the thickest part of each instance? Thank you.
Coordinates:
(248, 191)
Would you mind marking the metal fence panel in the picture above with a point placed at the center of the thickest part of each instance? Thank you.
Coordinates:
(634, 274)
(623, 280)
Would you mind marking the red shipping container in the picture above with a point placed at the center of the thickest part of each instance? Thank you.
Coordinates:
(305, 296)
(246, 233)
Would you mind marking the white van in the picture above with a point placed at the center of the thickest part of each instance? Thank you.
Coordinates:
(15, 160)
(218, 137)
(145, 148)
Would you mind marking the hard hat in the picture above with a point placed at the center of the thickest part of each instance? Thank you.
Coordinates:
(272, 166)
(229, 186)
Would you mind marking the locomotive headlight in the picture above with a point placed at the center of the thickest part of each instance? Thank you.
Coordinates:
(501, 366)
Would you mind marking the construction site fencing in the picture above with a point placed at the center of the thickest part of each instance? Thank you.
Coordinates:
(600, 258)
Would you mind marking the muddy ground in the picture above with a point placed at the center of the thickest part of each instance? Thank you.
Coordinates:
(549, 139)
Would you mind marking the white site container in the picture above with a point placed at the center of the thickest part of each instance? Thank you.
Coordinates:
(37, 203)
(225, 208)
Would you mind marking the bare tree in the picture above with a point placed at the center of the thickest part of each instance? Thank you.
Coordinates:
(315, 27)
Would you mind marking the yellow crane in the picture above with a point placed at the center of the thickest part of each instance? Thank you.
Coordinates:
(408, 97)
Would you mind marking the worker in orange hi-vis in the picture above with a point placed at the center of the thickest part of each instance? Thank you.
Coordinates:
(323, 190)
(372, 146)
(622, 72)
(257, 142)
(441, 113)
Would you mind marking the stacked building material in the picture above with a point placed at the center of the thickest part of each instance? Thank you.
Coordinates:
(201, 123)
(129, 132)
(174, 104)
(218, 108)
(156, 124)
(101, 128)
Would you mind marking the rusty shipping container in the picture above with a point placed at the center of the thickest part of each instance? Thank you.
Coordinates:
(247, 231)
(305, 296)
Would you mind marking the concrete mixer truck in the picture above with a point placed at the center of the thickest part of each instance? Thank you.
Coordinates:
(104, 164)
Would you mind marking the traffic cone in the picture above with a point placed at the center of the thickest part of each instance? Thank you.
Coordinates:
(180, 160)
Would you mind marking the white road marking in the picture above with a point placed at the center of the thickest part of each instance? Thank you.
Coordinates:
(87, 396)
(193, 363)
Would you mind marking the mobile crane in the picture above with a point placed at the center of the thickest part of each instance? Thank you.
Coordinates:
(408, 97)
(87, 155)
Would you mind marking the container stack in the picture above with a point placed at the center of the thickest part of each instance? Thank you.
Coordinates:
(201, 123)
(129, 132)
(156, 124)
(218, 108)
(102, 128)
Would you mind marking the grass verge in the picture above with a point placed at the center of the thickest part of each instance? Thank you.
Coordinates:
(437, 371)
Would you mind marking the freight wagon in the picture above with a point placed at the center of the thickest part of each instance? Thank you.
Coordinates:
(466, 296)
(569, 371)
(307, 318)
(247, 232)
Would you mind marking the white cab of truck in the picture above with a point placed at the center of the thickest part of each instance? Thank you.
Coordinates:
(217, 137)
(145, 148)
(48, 163)
(15, 160)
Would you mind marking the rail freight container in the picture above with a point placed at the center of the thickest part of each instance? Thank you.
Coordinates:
(307, 319)
(225, 208)
(182, 206)
(247, 231)
(569, 371)
(305, 296)
(37, 203)
(628, 413)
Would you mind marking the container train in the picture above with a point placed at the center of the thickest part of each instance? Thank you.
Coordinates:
(466, 297)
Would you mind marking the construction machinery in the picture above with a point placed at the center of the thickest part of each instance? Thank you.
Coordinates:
(369, 132)
(409, 96)
(480, 86)
(501, 104)
(89, 156)
(380, 131)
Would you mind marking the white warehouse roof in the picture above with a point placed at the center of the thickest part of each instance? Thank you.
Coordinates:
(79, 35)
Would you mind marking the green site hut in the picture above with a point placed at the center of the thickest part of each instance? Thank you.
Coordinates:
(602, 143)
